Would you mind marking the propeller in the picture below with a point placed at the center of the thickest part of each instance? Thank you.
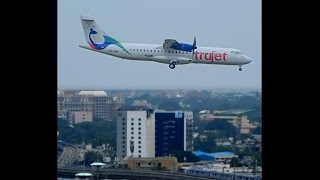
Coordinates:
(194, 45)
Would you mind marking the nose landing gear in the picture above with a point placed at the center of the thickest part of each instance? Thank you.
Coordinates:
(240, 69)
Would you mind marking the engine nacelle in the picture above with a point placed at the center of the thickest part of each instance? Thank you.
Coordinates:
(182, 60)
(182, 47)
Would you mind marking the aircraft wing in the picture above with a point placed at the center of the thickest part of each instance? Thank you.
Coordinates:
(168, 43)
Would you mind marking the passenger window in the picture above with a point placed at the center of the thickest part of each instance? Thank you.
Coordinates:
(176, 51)
(144, 50)
(140, 49)
(158, 50)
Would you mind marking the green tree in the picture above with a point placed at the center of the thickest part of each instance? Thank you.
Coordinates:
(97, 132)
(235, 162)
(227, 129)
(91, 157)
(206, 146)
(190, 157)
(201, 125)
(257, 130)
(169, 105)
(245, 136)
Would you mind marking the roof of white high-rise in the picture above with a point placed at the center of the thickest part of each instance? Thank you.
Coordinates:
(93, 93)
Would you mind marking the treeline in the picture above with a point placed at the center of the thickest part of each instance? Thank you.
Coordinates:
(97, 132)
(197, 104)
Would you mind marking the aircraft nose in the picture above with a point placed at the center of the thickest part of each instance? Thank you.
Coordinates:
(246, 59)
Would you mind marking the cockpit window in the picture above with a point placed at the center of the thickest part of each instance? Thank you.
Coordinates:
(236, 52)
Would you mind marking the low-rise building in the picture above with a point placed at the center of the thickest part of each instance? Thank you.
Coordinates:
(222, 142)
(217, 157)
(169, 163)
(81, 116)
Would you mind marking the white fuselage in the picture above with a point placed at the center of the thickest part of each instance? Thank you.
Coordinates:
(156, 53)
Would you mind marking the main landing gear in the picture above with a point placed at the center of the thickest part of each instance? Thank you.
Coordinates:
(240, 69)
(172, 65)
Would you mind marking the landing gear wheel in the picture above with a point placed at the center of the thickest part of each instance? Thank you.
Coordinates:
(172, 66)
(240, 69)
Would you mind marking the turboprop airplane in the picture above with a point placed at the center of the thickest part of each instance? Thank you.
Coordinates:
(170, 52)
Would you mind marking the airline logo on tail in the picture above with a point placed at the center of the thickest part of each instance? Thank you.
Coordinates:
(107, 41)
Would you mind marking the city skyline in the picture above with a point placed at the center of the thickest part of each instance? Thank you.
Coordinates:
(235, 25)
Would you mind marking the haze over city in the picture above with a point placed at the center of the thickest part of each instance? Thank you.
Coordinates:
(231, 24)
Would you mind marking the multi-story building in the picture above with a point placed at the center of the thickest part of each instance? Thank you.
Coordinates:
(170, 163)
(235, 117)
(118, 101)
(105, 105)
(135, 132)
(70, 103)
(100, 103)
(190, 129)
(81, 116)
(74, 103)
(170, 132)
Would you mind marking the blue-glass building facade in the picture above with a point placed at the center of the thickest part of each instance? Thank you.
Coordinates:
(170, 132)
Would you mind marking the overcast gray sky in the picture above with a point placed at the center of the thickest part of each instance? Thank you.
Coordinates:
(215, 23)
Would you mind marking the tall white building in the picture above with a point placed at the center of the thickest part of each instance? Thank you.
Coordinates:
(136, 128)
(189, 121)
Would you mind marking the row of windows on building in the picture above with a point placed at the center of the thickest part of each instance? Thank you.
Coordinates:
(131, 132)
(132, 119)
(123, 151)
(131, 129)
(123, 137)
(123, 146)
(131, 124)
(159, 51)
(102, 105)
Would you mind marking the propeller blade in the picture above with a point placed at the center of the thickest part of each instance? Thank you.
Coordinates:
(194, 45)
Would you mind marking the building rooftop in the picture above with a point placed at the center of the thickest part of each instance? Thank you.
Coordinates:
(151, 158)
(83, 174)
(93, 93)
(134, 108)
(210, 156)
(97, 164)
(232, 112)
